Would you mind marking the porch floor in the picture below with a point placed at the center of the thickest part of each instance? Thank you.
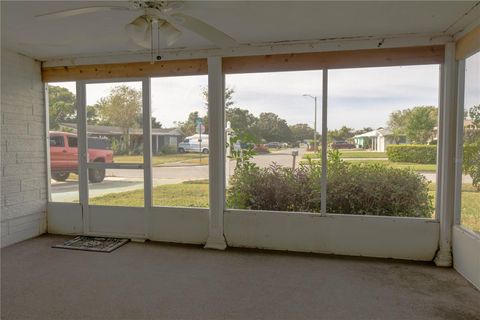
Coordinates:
(161, 281)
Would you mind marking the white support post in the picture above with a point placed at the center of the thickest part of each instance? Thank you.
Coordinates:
(439, 145)
(47, 141)
(147, 152)
(459, 141)
(323, 194)
(216, 118)
(448, 144)
(82, 153)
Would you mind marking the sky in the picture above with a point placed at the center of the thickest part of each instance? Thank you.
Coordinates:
(472, 81)
(357, 98)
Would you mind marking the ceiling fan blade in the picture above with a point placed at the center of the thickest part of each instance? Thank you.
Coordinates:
(203, 29)
(78, 11)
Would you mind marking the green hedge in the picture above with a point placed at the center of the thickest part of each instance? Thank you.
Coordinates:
(361, 189)
(471, 162)
(168, 149)
(424, 154)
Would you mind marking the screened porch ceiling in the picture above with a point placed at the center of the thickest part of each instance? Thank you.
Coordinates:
(102, 33)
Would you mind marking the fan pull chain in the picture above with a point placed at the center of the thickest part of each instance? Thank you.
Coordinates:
(158, 41)
(152, 58)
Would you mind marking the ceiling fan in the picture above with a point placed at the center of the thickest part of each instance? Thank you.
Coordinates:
(157, 19)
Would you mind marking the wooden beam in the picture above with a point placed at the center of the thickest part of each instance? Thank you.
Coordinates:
(126, 70)
(335, 59)
(468, 45)
(251, 64)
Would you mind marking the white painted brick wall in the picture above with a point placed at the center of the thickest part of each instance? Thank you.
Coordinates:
(23, 158)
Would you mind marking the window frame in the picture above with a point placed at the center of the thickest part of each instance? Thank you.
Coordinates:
(216, 218)
(62, 140)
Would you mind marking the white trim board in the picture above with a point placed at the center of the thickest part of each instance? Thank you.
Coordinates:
(466, 254)
(370, 236)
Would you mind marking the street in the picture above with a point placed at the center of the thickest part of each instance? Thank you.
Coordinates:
(120, 180)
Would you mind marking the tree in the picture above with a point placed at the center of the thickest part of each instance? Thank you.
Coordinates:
(271, 127)
(189, 127)
(397, 123)
(343, 133)
(155, 123)
(241, 120)
(61, 106)
(472, 131)
(362, 131)
(228, 96)
(417, 123)
(302, 131)
(92, 114)
(471, 149)
(421, 122)
(121, 108)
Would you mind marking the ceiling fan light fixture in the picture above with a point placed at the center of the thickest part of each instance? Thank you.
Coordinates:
(169, 33)
(139, 30)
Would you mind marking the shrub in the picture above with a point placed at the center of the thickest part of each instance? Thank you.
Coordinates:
(351, 189)
(275, 188)
(378, 190)
(117, 147)
(471, 162)
(169, 149)
(424, 154)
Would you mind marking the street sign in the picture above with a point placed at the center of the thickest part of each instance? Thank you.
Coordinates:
(198, 121)
(200, 128)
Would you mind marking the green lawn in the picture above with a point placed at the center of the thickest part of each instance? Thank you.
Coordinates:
(349, 154)
(362, 154)
(400, 165)
(158, 160)
(470, 213)
(186, 194)
(397, 165)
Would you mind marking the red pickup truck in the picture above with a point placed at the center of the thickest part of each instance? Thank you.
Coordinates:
(64, 155)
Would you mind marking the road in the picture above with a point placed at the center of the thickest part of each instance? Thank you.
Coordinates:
(119, 180)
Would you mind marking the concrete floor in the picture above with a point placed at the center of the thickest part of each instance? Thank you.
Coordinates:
(161, 281)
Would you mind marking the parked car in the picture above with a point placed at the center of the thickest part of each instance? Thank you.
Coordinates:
(340, 144)
(64, 155)
(276, 145)
(195, 143)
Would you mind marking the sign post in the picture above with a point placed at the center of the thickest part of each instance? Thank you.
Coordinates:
(200, 128)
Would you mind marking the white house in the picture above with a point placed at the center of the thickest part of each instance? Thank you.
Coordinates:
(378, 140)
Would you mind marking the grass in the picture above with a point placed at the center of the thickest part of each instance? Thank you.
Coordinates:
(397, 165)
(187, 194)
(400, 165)
(159, 160)
(351, 154)
(470, 214)
(362, 154)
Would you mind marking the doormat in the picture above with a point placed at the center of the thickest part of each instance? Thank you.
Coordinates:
(97, 244)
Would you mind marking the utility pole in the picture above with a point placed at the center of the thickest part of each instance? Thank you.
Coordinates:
(315, 121)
